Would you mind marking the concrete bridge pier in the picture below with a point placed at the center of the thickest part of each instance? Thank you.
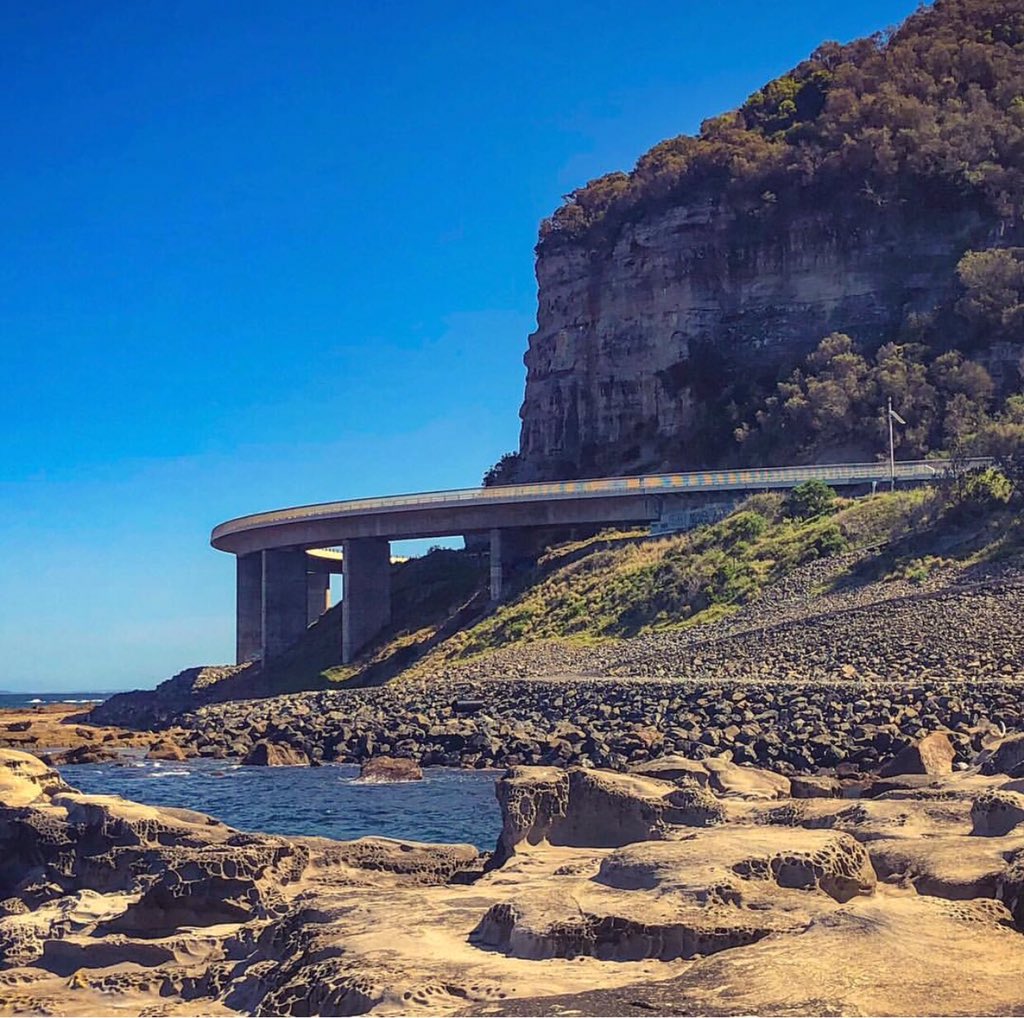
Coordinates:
(509, 553)
(318, 595)
(285, 599)
(276, 599)
(366, 594)
(248, 607)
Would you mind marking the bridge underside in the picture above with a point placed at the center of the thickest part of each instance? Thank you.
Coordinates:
(282, 591)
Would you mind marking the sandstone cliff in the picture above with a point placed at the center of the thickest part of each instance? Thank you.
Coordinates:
(839, 197)
(636, 344)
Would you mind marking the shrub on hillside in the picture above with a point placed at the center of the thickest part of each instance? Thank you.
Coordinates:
(987, 488)
(810, 499)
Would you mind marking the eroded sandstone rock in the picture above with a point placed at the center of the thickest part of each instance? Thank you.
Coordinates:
(933, 754)
(696, 899)
(165, 749)
(597, 809)
(275, 754)
(390, 768)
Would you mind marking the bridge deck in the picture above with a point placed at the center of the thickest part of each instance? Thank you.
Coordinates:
(439, 513)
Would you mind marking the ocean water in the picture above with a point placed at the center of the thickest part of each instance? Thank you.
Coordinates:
(8, 699)
(447, 805)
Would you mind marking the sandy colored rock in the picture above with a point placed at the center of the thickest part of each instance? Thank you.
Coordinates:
(672, 768)
(1005, 757)
(815, 786)
(719, 773)
(997, 812)
(729, 779)
(933, 755)
(25, 778)
(390, 768)
(599, 809)
(610, 893)
(274, 754)
(165, 749)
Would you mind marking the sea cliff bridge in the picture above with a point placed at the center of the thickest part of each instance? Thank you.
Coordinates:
(284, 558)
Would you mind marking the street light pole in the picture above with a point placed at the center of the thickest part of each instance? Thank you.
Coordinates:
(893, 416)
(892, 451)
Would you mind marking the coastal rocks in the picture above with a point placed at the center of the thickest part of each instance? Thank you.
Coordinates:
(815, 786)
(718, 773)
(389, 768)
(997, 812)
(274, 754)
(723, 889)
(601, 881)
(596, 808)
(791, 727)
(81, 755)
(164, 749)
(1006, 757)
(933, 754)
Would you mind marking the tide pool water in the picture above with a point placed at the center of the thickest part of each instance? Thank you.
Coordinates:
(329, 801)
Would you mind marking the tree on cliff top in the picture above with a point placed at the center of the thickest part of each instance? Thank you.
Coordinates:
(838, 398)
(932, 109)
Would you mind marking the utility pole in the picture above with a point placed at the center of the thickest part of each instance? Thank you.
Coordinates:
(893, 416)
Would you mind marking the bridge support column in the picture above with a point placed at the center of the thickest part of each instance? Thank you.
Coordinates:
(248, 607)
(318, 595)
(497, 565)
(366, 594)
(285, 599)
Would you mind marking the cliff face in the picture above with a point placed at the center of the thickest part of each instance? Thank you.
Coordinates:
(641, 341)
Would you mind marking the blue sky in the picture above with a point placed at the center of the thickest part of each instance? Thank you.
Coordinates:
(259, 254)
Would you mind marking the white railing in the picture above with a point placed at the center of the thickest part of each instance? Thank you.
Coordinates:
(655, 484)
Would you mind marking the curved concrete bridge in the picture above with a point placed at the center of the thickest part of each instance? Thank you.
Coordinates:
(285, 557)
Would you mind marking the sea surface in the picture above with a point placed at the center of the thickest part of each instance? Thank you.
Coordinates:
(9, 700)
(447, 805)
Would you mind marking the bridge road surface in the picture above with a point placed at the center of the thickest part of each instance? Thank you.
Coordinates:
(281, 589)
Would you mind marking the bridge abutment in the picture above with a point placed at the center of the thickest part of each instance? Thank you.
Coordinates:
(366, 595)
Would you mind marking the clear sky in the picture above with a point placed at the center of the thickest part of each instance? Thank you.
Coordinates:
(254, 254)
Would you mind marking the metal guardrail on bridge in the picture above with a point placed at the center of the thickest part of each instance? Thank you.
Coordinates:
(655, 484)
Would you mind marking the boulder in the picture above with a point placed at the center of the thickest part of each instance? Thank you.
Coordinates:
(728, 778)
(25, 778)
(89, 754)
(274, 754)
(672, 768)
(1005, 757)
(164, 749)
(390, 768)
(997, 812)
(933, 754)
(592, 808)
(815, 786)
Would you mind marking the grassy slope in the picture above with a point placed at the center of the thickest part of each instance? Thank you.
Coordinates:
(623, 585)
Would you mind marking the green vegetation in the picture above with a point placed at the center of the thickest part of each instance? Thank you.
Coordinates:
(837, 399)
(810, 499)
(620, 586)
(930, 112)
(654, 584)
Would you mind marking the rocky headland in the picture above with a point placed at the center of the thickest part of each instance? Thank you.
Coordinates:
(681, 887)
